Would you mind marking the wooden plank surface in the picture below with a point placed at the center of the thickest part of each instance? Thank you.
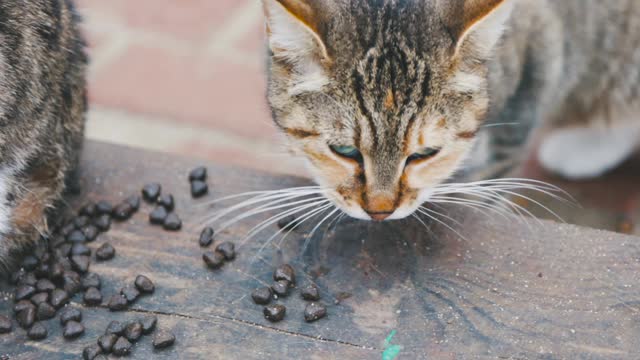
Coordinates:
(497, 289)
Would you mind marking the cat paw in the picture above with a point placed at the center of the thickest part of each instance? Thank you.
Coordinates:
(584, 153)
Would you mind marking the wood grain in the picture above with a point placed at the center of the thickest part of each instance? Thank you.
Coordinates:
(494, 289)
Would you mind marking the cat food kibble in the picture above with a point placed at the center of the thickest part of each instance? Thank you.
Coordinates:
(91, 280)
(285, 272)
(91, 352)
(105, 252)
(150, 192)
(24, 292)
(123, 211)
(227, 249)
(172, 222)
(310, 292)
(37, 332)
(117, 302)
(116, 327)
(26, 317)
(262, 295)
(104, 207)
(106, 342)
(122, 347)
(72, 330)
(281, 287)
(148, 324)
(90, 232)
(21, 305)
(81, 221)
(59, 297)
(70, 314)
(166, 201)
(5, 325)
(76, 236)
(92, 296)
(199, 173)
(206, 237)
(71, 282)
(158, 215)
(199, 188)
(130, 293)
(144, 284)
(314, 311)
(133, 332)
(45, 285)
(89, 210)
(134, 201)
(102, 222)
(45, 311)
(39, 298)
(80, 263)
(213, 259)
(274, 313)
(163, 339)
(80, 249)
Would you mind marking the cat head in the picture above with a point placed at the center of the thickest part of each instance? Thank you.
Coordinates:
(384, 98)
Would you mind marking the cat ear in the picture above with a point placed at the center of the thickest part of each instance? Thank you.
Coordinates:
(477, 25)
(293, 30)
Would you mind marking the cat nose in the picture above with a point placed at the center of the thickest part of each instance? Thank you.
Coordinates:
(379, 216)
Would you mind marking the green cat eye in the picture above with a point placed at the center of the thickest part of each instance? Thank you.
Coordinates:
(349, 152)
(423, 154)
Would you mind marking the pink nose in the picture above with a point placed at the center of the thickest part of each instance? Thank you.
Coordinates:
(380, 216)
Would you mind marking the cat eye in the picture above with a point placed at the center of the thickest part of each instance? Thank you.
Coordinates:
(349, 152)
(423, 154)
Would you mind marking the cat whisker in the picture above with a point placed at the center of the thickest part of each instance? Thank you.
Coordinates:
(443, 223)
(310, 236)
(259, 192)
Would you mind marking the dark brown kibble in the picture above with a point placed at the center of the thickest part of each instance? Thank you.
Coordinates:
(43, 270)
(24, 292)
(281, 287)
(167, 202)
(103, 222)
(285, 272)
(133, 332)
(134, 201)
(39, 298)
(92, 296)
(67, 229)
(262, 296)
(29, 263)
(91, 352)
(158, 215)
(105, 252)
(106, 342)
(17, 276)
(59, 297)
(29, 279)
(274, 313)
(91, 280)
(63, 250)
(199, 173)
(228, 249)
(163, 339)
(206, 236)
(310, 292)
(89, 210)
(72, 330)
(70, 314)
(286, 222)
(144, 284)
(116, 327)
(56, 271)
(314, 311)
(148, 324)
(5, 325)
(123, 211)
(21, 305)
(26, 317)
(71, 282)
(80, 263)
(76, 236)
(213, 259)
(104, 208)
(45, 311)
(90, 232)
(117, 302)
(80, 249)
(172, 222)
(130, 293)
(122, 347)
(45, 285)
(199, 188)
(150, 192)
(37, 331)
(81, 221)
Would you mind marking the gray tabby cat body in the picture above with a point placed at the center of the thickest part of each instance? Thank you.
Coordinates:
(42, 108)
(387, 99)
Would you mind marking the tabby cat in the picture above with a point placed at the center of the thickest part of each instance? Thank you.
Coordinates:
(387, 99)
(42, 110)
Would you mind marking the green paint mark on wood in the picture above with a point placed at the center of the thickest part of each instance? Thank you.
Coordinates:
(390, 351)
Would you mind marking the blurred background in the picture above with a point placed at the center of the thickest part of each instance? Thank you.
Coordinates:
(182, 76)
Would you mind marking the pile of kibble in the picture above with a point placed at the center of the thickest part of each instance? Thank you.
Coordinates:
(48, 279)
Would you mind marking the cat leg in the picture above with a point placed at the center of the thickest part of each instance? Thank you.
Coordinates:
(588, 152)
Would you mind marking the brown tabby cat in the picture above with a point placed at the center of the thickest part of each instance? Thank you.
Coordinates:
(388, 98)
(42, 109)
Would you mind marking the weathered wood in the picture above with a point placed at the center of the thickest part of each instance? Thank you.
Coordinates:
(497, 289)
